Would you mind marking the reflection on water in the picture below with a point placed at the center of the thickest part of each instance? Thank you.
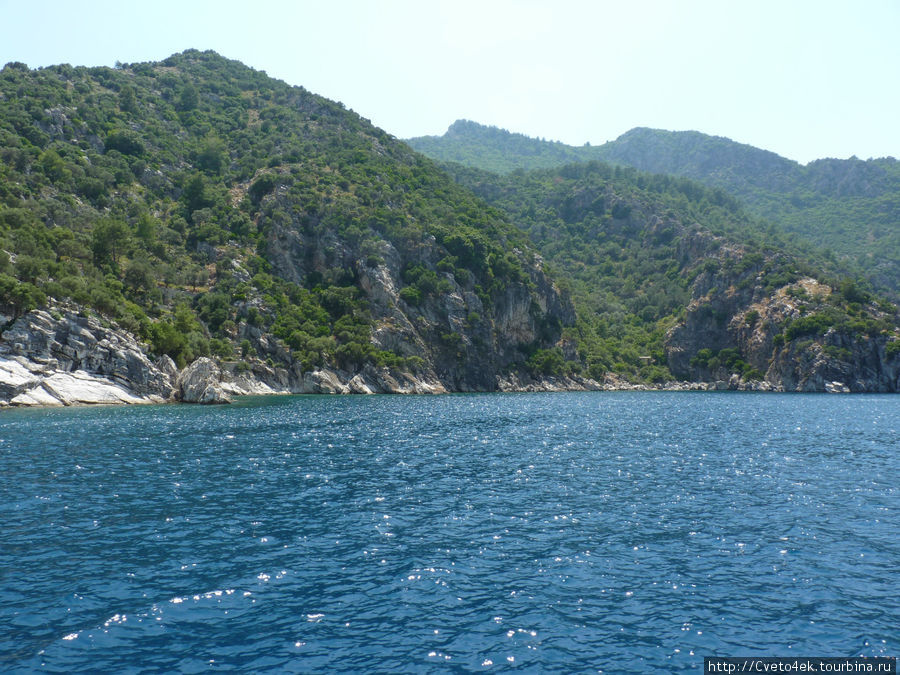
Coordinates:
(621, 532)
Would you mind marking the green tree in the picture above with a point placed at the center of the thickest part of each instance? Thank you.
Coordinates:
(196, 194)
(212, 156)
(852, 292)
(127, 99)
(547, 362)
(167, 339)
(54, 166)
(139, 278)
(188, 99)
(146, 228)
(108, 240)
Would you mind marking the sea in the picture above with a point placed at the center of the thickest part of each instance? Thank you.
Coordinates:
(595, 532)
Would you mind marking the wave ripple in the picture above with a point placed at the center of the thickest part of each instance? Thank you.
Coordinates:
(613, 532)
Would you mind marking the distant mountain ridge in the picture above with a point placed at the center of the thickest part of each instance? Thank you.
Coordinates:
(498, 150)
(850, 206)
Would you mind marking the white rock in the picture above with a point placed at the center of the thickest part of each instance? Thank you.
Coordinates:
(167, 366)
(836, 388)
(199, 383)
(14, 377)
(82, 388)
(358, 385)
(323, 381)
(35, 397)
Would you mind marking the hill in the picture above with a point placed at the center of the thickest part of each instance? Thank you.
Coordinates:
(671, 278)
(498, 150)
(198, 208)
(850, 207)
(212, 210)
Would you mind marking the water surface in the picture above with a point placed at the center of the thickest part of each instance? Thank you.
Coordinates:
(583, 532)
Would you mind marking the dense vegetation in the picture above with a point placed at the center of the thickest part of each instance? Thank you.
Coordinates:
(848, 207)
(151, 192)
(212, 210)
(632, 245)
(498, 150)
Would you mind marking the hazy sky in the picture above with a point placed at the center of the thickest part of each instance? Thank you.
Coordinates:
(806, 79)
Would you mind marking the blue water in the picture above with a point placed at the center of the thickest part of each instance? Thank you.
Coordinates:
(583, 532)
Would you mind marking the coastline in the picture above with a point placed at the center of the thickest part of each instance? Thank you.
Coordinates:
(39, 385)
(64, 357)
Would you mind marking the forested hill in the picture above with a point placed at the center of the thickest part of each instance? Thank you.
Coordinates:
(851, 207)
(211, 209)
(671, 278)
(498, 150)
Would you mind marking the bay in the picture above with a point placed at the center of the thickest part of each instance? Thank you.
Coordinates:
(579, 532)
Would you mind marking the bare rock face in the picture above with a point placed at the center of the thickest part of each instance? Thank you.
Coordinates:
(727, 314)
(67, 358)
(167, 366)
(200, 383)
(464, 337)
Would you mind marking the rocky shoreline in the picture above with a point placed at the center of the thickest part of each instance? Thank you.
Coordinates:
(63, 357)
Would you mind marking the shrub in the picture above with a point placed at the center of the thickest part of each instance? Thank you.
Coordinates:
(126, 142)
(411, 295)
(839, 353)
(546, 362)
(220, 348)
(447, 264)
(853, 293)
(754, 374)
(701, 360)
(166, 339)
(262, 186)
(813, 324)
(751, 317)
(247, 349)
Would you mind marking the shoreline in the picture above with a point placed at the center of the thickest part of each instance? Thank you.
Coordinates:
(73, 359)
(39, 385)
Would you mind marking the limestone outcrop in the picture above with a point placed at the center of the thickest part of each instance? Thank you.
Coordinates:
(466, 338)
(782, 335)
(200, 383)
(63, 357)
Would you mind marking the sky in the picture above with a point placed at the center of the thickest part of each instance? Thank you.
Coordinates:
(805, 79)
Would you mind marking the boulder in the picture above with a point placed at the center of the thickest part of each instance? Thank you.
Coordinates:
(358, 385)
(200, 383)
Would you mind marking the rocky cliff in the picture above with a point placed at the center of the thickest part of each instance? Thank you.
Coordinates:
(63, 357)
(465, 332)
(801, 335)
